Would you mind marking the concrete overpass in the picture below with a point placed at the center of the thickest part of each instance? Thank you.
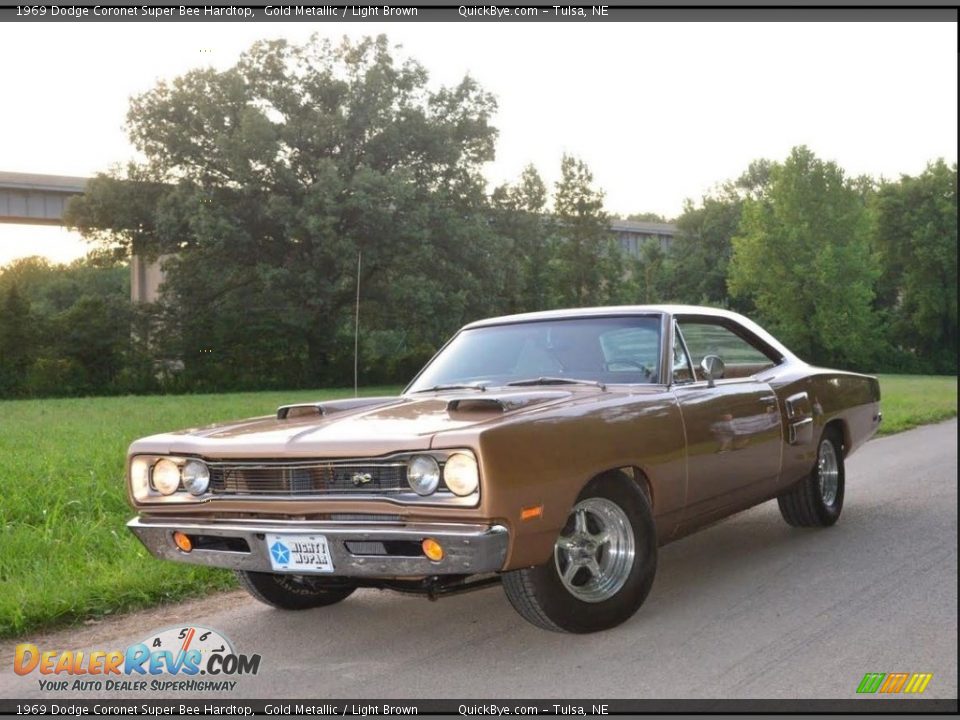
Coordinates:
(32, 199)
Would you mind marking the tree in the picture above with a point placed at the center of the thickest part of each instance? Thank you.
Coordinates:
(644, 279)
(120, 212)
(696, 266)
(16, 341)
(68, 326)
(754, 181)
(916, 236)
(94, 336)
(264, 182)
(802, 256)
(586, 263)
(519, 216)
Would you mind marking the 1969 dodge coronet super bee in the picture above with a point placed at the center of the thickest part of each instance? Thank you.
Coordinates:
(553, 452)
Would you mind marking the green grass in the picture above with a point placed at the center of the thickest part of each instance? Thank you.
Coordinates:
(65, 554)
(911, 400)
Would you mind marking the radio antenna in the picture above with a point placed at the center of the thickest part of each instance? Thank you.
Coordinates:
(356, 332)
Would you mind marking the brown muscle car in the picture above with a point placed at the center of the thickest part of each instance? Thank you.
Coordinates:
(553, 452)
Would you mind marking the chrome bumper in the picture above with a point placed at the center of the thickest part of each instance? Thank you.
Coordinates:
(468, 549)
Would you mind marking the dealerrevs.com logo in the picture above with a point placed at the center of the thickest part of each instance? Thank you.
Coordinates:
(170, 660)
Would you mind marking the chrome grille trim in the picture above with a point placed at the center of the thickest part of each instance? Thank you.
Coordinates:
(317, 478)
(294, 465)
(333, 519)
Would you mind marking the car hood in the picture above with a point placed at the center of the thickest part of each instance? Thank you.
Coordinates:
(356, 427)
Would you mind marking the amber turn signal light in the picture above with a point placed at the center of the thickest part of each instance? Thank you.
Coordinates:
(432, 549)
(531, 513)
(182, 541)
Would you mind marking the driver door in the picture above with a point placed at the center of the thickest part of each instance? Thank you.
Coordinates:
(732, 427)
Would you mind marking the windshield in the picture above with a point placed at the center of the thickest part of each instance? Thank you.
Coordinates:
(599, 350)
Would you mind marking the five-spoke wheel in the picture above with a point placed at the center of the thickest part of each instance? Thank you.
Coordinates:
(603, 562)
(595, 552)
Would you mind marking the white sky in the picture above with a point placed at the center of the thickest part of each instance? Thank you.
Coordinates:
(660, 112)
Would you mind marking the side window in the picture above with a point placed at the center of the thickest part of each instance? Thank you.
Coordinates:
(682, 370)
(631, 351)
(740, 358)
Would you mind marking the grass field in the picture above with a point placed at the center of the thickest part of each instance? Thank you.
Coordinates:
(911, 400)
(65, 554)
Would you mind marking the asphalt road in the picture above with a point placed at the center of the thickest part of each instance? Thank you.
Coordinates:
(749, 608)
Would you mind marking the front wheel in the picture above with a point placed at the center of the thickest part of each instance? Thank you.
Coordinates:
(602, 567)
(294, 592)
(816, 501)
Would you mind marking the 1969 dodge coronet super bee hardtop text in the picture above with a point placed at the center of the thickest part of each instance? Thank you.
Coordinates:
(553, 452)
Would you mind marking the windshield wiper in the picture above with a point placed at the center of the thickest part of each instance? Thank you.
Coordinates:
(454, 386)
(558, 381)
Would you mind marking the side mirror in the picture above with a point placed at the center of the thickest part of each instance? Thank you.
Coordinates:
(712, 368)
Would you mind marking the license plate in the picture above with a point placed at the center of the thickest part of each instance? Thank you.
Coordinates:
(299, 553)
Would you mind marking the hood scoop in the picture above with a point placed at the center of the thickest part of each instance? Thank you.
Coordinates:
(328, 407)
(501, 404)
(291, 412)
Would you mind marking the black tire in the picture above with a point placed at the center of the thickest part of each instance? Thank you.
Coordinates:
(806, 504)
(540, 595)
(294, 592)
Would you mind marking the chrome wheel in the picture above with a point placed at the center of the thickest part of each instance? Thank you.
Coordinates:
(594, 554)
(828, 472)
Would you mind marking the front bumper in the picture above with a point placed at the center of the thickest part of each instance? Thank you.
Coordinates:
(356, 549)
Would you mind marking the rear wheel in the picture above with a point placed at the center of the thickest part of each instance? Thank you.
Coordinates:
(294, 592)
(816, 501)
(602, 567)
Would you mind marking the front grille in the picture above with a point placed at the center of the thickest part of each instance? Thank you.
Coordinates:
(307, 478)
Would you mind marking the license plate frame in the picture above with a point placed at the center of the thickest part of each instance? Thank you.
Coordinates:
(300, 554)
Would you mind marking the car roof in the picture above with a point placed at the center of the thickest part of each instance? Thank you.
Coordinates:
(605, 311)
(621, 310)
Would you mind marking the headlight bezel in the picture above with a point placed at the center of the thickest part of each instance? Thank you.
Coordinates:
(142, 485)
(443, 493)
(433, 473)
(166, 476)
(469, 466)
(195, 477)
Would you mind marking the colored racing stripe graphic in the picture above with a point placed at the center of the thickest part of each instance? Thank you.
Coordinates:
(894, 682)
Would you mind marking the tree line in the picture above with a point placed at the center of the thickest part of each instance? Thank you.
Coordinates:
(261, 186)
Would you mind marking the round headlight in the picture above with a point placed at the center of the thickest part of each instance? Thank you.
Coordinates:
(423, 474)
(166, 477)
(196, 477)
(461, 475)
(139, 477)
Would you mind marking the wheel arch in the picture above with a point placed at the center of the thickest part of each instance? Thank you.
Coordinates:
(840, 427)
(633, 474)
